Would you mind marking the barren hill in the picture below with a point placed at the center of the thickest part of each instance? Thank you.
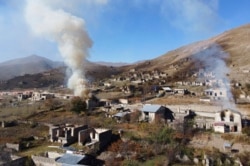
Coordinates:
(234, 44)
(28, 65)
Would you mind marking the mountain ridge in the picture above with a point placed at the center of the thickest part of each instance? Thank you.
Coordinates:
(32, 64)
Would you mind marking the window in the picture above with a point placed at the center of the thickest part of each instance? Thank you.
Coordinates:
(231, 118)
(222, 115)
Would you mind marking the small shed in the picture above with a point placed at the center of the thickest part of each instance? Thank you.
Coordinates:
(151, 112)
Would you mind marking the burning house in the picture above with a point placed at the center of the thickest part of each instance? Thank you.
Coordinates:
(216, 94)
(227, 120)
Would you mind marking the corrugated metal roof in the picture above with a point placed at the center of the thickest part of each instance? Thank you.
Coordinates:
(70, 159)
(150, 108)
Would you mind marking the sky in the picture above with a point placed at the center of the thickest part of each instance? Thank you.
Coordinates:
(123, 30)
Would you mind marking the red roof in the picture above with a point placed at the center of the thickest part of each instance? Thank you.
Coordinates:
(219, 124)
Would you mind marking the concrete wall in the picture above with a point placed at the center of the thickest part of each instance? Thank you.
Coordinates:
(54, 155)
(105, 138)
(194, 107)
(44, 161)
(13, 146)
(83, 136)
(220, 129)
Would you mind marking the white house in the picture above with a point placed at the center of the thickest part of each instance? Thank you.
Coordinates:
(227, 120)
(37, 96)
(216, 94)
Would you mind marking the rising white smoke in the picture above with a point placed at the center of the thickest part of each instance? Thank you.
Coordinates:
(214, 60)
(69, 33)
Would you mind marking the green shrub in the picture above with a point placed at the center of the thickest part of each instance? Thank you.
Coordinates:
(130, 163)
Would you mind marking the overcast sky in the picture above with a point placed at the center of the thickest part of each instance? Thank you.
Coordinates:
(124, 30)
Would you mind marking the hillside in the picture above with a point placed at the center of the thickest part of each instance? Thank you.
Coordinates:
(56, 77)
(234, 44)
(231, 47)
(28, 65)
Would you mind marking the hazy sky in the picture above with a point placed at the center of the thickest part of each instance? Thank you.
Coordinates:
(124, 30)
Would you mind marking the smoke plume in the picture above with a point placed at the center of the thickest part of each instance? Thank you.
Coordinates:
(214, 60)
(68, 31)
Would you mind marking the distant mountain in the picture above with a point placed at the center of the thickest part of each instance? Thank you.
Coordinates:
(28, 65)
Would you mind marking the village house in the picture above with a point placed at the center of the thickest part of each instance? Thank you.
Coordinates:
(181, 91)
(167, 89)
(92, 102)
(216, 94)
(124, 101)
(98, 138)
(37, 96)
(163, 75)
(64, 96)
(227, 120)
(150, 113)
(198, 83)
(23, 96)
(214, 83)
(65, 134)
(122, 116)
(107, 84)
(204, 122)
(132, 70)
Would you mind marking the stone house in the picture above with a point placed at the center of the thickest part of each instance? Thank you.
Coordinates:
(65, 134)
(151, 112)
(227, 120)
(98, 138)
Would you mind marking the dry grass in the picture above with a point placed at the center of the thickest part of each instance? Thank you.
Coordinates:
(175, 100)
(15, 133)
(41, 149)
(20, 111)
